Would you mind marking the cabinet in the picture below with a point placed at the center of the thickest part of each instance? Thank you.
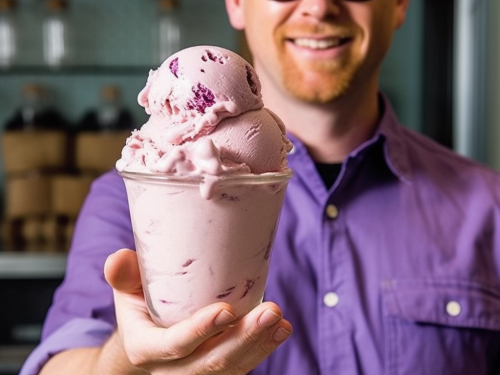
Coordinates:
(27, 282)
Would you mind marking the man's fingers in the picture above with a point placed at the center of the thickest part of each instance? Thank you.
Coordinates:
(153, 346)
(204, 324)
(122, 271)
(248, 343)
(213, 338)
(262, 326)
(182, 339)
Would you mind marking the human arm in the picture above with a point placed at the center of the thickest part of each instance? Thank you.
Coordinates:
(82, 319)
(208, 342)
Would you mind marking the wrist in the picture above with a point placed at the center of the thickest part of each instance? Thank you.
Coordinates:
(113, 359)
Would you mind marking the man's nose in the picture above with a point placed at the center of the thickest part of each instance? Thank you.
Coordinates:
(319, 8)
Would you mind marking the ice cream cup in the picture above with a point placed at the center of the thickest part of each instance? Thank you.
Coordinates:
(196, 248)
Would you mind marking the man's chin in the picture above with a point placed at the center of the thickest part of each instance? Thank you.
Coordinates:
(316, 93)
(319, 86)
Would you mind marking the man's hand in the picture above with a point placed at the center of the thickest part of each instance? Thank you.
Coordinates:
(213, 340)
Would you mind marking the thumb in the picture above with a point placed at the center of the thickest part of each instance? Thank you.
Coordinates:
(121, 271)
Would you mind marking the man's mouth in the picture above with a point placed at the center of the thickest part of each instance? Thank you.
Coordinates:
(319, 44)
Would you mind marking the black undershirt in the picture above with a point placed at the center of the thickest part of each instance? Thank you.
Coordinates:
(328, 172)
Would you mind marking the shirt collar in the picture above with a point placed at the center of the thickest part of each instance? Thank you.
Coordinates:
(389, 133)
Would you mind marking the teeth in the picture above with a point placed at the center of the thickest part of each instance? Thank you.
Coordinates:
(316, 43)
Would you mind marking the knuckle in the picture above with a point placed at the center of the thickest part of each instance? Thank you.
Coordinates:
(249, 337)
(201, 332)
(171, 352)
(265, 350)
(135, 359)
(215, 363)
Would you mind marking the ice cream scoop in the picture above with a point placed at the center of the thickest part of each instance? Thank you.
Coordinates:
(206, 117)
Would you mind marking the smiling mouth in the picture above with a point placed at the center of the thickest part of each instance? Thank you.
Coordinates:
(319, 44)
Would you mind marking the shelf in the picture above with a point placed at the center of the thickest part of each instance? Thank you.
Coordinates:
(13, 357)
(83, 70)
(18, 265)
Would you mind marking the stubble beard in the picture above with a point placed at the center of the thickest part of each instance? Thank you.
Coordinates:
(321, 81)
(316, 83)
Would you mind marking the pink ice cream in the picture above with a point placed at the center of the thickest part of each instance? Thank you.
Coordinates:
(205, 178)
(206, 118)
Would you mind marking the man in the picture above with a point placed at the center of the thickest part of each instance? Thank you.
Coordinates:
(386, 259)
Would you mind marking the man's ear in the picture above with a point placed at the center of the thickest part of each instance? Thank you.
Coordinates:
(402, 8)
(236, 12)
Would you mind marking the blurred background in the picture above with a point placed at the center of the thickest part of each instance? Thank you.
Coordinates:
(70, 72)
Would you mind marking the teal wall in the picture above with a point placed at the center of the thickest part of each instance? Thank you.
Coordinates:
(401, 74)
(493, 85)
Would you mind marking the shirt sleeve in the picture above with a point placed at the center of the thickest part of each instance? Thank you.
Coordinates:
(76, 333)
(82, 313)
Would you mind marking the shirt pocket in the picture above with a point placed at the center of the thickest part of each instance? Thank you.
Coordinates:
(441, 327)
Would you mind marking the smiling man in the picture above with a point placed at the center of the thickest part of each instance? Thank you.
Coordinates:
(317, 51)
(387, 255)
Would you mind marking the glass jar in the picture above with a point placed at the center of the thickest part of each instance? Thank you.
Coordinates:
(36, 112)
(56, 34)
(168, 29)
(34, 101)
(109, 109)
(110, 115)
(8, 33)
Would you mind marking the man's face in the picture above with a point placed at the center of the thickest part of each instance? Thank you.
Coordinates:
(319, 50)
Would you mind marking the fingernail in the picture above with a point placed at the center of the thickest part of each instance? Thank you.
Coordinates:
(224, 317)
(281, 334)
(268, 318)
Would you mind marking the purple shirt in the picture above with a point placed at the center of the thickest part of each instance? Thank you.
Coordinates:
(394, 270)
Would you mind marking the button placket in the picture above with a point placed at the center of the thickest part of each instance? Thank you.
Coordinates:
(331, 312)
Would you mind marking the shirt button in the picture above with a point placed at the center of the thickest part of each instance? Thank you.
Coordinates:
(331, 299)
(332, 211)
(453, 308)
